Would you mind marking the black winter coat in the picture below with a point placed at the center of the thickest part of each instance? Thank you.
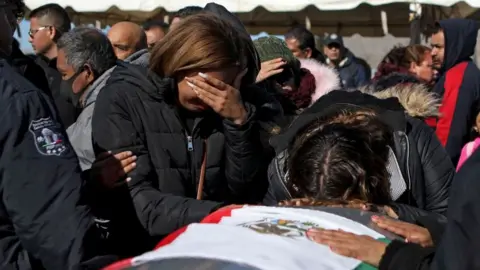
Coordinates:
(425, 166)
(44, 220)
(457, 247)
(137, 112)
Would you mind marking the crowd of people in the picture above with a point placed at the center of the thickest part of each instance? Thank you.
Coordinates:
(111, 142)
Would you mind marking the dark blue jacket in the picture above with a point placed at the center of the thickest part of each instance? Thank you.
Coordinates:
(44, 220)
(458, 86)
(352, 73)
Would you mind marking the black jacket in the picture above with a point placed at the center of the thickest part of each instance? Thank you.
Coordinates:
(137, 112)
(67, 112)
(29, 69)
(425, 166)
(458, 86)
(459, 245)
(44, 221)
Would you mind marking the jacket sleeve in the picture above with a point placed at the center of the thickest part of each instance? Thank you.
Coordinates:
(114, 129)
(400, 255)
(41, 190)
(438, 169)
(411, 214)
(360, 75)
(241, 146)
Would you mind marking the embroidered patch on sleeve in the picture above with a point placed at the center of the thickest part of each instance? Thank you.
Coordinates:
(48, 138)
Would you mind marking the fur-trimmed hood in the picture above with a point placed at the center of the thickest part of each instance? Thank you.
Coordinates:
(326, 78)
(414, 97)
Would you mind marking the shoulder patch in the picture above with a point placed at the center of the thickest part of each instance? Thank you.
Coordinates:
(48, 138)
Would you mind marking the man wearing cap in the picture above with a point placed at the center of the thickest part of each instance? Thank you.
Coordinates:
(351, 72)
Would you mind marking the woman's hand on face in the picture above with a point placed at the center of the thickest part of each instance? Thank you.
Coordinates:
(360, 247)
(411, 232)
(270, 68)
(108, 168)
(224, 99)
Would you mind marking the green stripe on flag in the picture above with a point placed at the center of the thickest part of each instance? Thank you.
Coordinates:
(366, 266)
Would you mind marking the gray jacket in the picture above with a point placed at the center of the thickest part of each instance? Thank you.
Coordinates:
(80, 132)
(139, 58)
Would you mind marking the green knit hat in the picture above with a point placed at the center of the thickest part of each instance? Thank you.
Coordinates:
(270, 48)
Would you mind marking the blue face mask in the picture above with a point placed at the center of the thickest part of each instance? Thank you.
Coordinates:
(66, 90)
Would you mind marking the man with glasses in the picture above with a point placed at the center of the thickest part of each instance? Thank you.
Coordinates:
(47, 24)
(44, 220)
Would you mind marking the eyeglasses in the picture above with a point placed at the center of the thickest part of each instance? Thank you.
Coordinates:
(33, 32)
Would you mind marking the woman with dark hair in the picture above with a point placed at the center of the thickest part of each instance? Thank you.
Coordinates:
(424, 171)
(190, 122)
(334, 161)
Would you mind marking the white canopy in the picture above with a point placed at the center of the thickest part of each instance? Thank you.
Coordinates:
(232, 5)
(346, 17)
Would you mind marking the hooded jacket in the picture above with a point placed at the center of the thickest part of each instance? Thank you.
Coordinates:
(352, 73)
(326, 78)
(80, 132)
(140, 58)
(424, 164)
(458, 86)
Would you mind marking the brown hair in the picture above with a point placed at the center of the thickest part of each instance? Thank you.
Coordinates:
(341, 157)
(202, 41)
(414, 54)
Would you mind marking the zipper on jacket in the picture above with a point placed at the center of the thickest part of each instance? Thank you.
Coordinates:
(189, 143)
(406, 148)
(408, 169)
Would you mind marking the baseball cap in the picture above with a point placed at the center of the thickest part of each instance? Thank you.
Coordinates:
(334, 38)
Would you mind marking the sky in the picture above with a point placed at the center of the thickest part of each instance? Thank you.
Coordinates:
(27, 48)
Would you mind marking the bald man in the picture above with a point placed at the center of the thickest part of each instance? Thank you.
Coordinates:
(127, 38)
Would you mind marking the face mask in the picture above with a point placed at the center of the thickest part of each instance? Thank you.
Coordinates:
(66, 90)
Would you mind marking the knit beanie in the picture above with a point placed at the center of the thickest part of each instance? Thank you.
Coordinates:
(269, 48)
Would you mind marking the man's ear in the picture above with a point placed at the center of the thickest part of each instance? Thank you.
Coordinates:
(89, 73)
(53, 33)
(308, 52)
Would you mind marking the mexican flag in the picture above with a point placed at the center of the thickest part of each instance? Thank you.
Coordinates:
(267, 238)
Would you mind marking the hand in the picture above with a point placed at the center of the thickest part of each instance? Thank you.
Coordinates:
(411, 232)
(221, 97)
(270, 68)
(386, 210)
(360, 247)
(108, 168)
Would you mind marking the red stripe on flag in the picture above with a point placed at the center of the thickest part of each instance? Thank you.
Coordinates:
(119, 265)
(171, 237)
(217, 216)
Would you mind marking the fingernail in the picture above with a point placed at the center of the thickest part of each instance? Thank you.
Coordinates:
(109, 152)
(130, 153)
(128, 179)
(134, 164)
(191, 85)
(375, 217)
(134, 157)
(203, 75)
